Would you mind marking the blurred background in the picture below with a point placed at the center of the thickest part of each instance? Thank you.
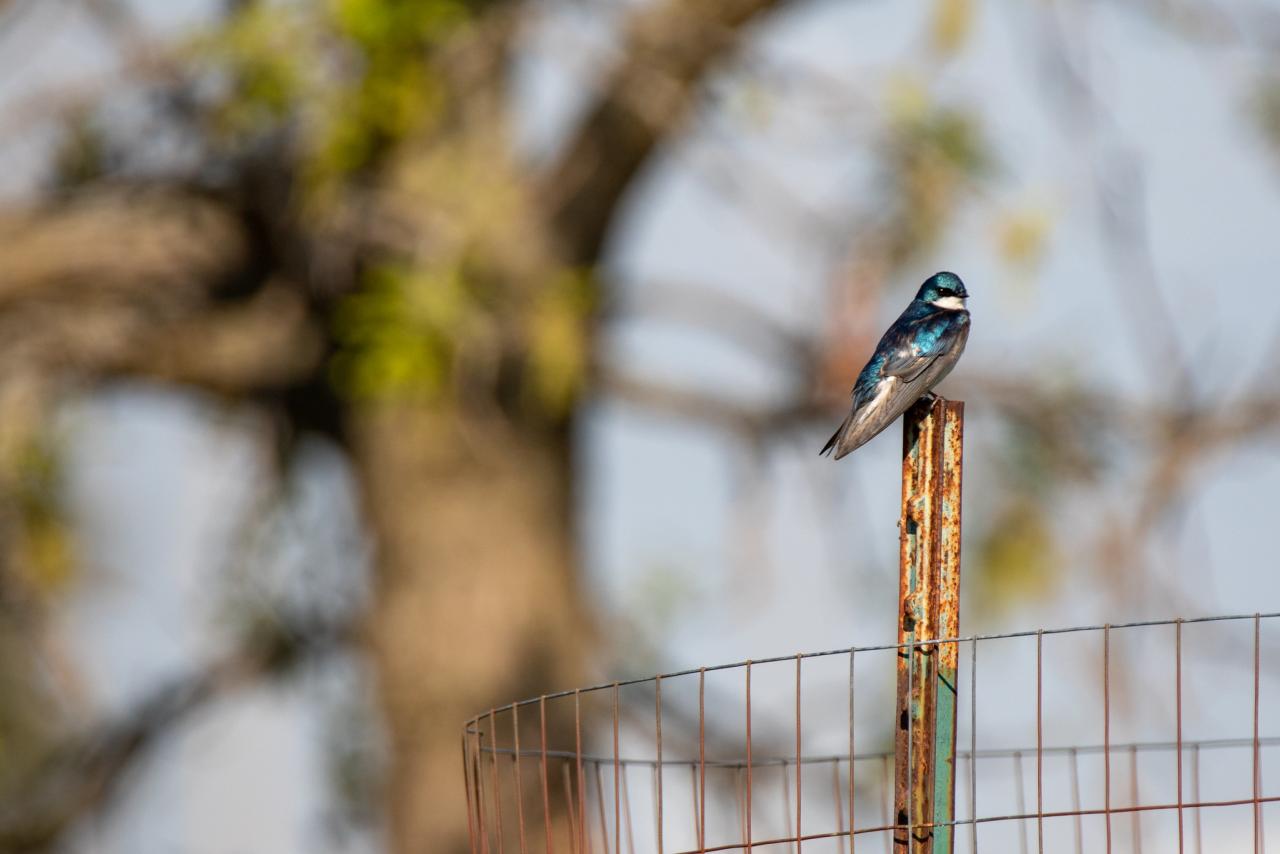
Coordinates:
(367, 363)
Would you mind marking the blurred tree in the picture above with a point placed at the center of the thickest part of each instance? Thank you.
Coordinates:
(349, 241)
(316, 209)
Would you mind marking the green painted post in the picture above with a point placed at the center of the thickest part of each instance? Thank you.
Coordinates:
(928, 608)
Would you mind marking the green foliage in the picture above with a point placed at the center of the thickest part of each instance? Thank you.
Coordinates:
(396, 89)
(348, 78)
(1045, 450)
(558, 354)
(933, 152)
(1018, 559)
(391, 29)
(404, 331)
(361, 88)
(43, 556)
(262, 52)
(39, 564)
(441, 335)
(951, 23)
(1022, 236)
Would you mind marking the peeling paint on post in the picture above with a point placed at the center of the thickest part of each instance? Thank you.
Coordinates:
(929, 608)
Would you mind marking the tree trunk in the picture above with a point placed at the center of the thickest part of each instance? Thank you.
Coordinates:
(476, 603)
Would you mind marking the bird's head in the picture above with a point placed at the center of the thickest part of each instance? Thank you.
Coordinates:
(944, 290)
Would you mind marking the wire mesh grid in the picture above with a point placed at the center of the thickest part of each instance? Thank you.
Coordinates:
(1149, 735)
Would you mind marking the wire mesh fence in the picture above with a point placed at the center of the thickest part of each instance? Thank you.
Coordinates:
(1143, 736)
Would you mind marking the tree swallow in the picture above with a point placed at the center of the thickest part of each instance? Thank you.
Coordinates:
(920, 348)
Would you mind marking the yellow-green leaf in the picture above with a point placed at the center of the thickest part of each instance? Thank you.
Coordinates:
(950, 24)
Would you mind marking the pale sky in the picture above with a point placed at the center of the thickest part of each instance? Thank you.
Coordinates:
(791, 555)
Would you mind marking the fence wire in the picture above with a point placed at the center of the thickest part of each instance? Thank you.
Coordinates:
(1149, 735)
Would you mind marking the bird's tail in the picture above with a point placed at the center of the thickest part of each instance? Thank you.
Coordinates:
(834, 441)
(859, 427)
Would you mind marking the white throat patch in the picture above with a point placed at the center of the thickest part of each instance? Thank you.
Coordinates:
(949, 303)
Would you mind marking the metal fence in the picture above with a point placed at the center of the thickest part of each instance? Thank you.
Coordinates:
(1147, 735)
(1143, 736)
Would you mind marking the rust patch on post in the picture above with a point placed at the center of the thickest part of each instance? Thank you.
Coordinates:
(929, 600)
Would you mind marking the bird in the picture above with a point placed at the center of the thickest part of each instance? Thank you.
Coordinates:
(917, 351)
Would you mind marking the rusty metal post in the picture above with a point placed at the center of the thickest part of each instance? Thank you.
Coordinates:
(929, 608)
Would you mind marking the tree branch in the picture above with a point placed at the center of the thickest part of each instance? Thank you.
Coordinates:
(751, 422)
(128, 282)
(700, 307)
(165, 244)
(669, 50)
(87, 771)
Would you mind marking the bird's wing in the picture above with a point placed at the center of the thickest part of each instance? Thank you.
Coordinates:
(913, 356)
(922, 341)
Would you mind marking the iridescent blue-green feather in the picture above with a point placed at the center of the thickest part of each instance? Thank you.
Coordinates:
(916, 353)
